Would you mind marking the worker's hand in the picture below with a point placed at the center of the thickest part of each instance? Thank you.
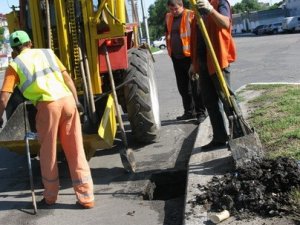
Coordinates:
(1, 122)
(192, 75)
(80, 108)
(204, 7)
(191, 71)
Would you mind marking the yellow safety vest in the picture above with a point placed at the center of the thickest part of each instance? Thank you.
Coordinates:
(40, 76)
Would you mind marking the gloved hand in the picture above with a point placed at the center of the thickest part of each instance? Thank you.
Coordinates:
(80, 108)
(204, 7)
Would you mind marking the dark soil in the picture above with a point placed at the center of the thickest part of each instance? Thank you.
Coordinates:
(259, 188)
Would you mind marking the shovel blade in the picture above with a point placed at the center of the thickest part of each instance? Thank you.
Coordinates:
(128, 160)
(246, 148)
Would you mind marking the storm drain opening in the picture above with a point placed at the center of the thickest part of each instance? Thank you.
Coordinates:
(166, 185)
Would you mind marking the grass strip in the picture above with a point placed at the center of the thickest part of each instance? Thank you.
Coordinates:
(276, 118)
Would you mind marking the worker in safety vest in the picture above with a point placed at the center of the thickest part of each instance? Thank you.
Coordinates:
(218, 22)
(42, 78)
(178, 36)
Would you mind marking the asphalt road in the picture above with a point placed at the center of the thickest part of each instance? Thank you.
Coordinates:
(120, 197)
(271, 58)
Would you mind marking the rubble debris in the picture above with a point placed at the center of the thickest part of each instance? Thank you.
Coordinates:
(260, 187)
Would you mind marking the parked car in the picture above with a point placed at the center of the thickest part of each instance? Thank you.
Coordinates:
(274, 28)
(255, 30)
(160, 43)
(262, 30)
(290, 24)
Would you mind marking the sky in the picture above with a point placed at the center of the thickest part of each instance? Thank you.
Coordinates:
(4, 4)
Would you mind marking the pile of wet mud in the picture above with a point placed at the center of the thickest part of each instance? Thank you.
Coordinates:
(261, 188)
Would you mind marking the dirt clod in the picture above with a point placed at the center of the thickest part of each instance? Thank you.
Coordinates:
(258, 188)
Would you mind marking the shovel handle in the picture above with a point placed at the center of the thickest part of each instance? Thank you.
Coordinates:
(212, 53)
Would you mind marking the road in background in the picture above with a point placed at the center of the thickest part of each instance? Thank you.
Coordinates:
(271, 58)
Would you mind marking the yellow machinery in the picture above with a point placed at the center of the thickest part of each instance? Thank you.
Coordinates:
(81, 32)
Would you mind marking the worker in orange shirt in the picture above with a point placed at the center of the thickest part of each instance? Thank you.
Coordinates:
(42, 79)
(178, 36)
(217, 18)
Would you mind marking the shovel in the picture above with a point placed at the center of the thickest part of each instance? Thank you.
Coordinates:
(126, 154)
(244, 142)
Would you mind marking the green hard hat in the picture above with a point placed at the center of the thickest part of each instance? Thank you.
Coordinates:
(18, 37)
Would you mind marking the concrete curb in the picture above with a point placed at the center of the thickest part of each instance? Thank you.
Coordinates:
(204, 165)
(264, 83)
(158, 52)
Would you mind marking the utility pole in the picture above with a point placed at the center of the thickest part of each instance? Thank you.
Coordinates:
(145, 19)
(138, 21)
(134, 21)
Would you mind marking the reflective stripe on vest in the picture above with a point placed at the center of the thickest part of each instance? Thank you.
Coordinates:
(32, 78)
(187, 26)
(40, 76)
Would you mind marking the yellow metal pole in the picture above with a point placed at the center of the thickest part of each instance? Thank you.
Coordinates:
(120, 10)
(91, 44)
(38, 40)
(62, 33)
(212, 53)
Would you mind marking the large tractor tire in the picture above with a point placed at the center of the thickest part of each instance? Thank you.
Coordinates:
(141, 96)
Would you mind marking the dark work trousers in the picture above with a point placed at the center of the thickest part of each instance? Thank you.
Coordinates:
(187, 90)
(212, 98)
(197, 97)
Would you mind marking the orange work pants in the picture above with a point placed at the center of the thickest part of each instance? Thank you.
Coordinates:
(61, 119)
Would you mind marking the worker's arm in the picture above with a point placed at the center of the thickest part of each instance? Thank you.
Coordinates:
(10, 81)
(222, 19)
(70, 84)
(4, 97)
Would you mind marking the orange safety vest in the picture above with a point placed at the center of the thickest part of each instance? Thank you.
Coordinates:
(221, 40)
(185, 31)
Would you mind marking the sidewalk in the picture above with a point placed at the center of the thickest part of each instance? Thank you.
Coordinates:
(202, 167)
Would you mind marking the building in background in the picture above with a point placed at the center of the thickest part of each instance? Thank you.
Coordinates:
(247, 21)
(5, 50)
(293, 7)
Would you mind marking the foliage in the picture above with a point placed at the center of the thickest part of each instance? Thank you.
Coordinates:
(276, 5)
(2, 39)
(157, 12)
(247, 6)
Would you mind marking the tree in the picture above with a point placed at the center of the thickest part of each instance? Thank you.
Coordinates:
(2, 38)
(157, 12)
(276, 5)
(247, 6)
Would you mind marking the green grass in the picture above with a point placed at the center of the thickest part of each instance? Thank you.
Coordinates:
(154, 49)
(295, 195)
(276, 117)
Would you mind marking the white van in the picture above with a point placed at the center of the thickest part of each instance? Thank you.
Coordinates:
(290, 24)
